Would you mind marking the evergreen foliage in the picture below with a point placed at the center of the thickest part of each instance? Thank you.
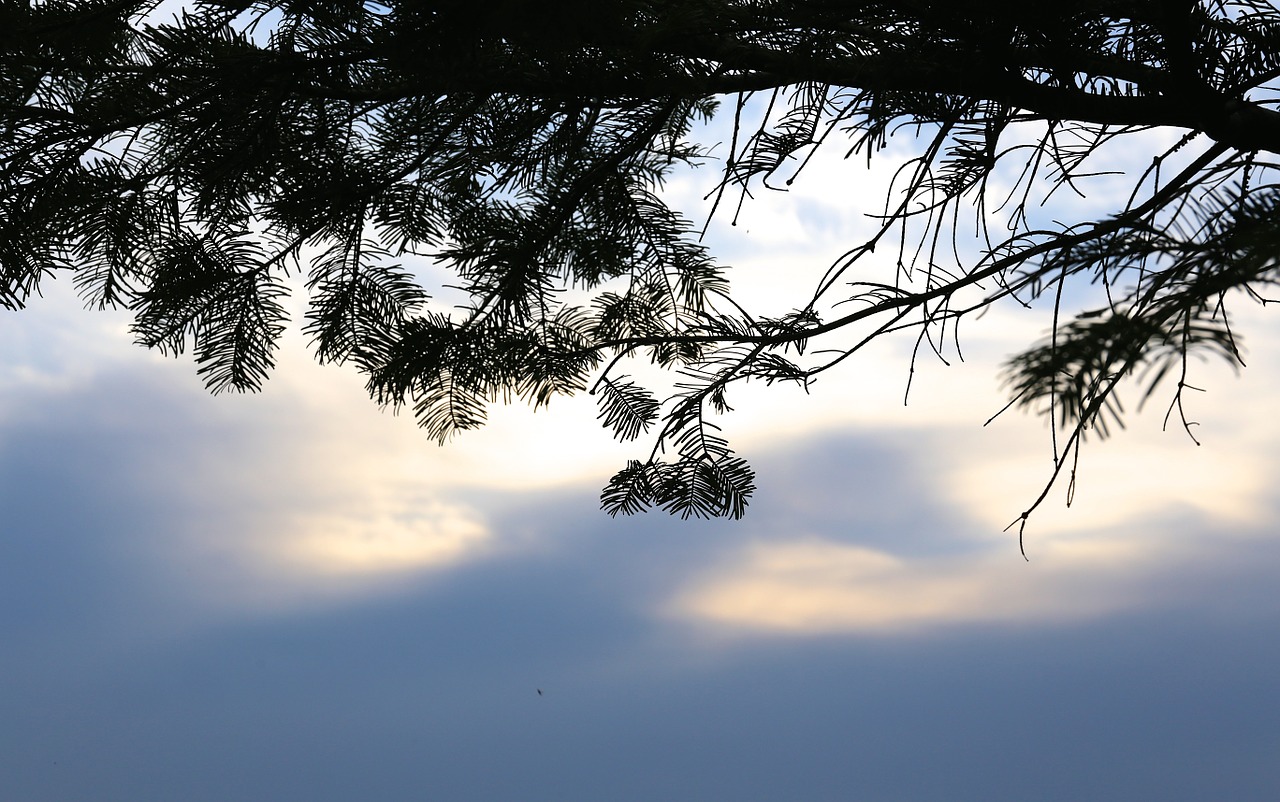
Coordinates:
(184, 164)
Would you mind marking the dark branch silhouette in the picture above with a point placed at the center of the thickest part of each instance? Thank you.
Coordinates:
(184, 167)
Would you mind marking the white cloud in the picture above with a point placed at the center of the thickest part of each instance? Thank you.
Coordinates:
(816, 586)
(405, 535)
(293, 557)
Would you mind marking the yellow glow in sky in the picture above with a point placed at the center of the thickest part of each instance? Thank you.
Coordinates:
(818, 586)
(430, 535)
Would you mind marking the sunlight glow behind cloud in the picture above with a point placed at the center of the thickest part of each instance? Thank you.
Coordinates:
(418, 536)
(816, 586)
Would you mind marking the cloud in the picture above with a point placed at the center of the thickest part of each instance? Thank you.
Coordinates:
(1154, 464)
(1154, 516)
(415, 534)
(910, 537)
(820, 586)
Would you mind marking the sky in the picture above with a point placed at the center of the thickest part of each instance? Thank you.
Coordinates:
(295, 595)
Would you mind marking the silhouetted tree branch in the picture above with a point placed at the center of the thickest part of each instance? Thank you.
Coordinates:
(183, 167)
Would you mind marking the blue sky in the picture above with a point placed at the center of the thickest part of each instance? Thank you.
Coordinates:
(296, 596)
